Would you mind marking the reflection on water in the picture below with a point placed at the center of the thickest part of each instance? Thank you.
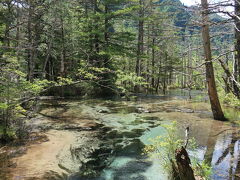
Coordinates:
(217, 142)
(223, 154)
(130, 124)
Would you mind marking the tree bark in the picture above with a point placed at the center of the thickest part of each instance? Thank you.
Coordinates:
(8, 23)
(237, 46)
(212, 90)
(153, 62)
(140, 40)
(230, 80)
(63, 53)
(30, 42)
(182, 169)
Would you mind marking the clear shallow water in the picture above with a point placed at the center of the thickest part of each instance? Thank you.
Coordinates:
(130, 124)
(136, 122)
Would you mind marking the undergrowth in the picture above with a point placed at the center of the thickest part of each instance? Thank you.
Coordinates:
(163, 149)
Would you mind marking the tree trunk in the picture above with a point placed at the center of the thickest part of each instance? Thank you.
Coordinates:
(106, 26)
(237, 46)
(182, 169)
(227, 88)
(8, 23)
(96, 26)
(153, 62)
(63, 53)
(230, 81)
(31, 47)
(212, 90)
(140, 40)
(18, 33)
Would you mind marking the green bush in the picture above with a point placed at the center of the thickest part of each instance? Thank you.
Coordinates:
(15, 90)
(163, 148)
(229, 99)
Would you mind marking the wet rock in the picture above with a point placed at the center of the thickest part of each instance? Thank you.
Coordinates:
(103, 111)
(141, 110)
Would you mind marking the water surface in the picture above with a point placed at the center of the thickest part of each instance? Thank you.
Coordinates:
(114, 133)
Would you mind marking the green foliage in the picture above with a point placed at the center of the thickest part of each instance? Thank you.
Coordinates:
(63, 81)
(92, 73)
(202, 169)
(13, 90)
(10, 134)
(229, 99)
(127, 80)
(164, 148)
(85, 74)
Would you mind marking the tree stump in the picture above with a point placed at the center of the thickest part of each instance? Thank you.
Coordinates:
(182, 169)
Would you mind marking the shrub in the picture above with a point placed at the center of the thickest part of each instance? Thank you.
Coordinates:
(163, 148)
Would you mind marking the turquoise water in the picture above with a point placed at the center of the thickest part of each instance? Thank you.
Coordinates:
(135, 122)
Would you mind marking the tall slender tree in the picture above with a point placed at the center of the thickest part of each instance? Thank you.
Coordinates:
(210, 78)
(237, 47)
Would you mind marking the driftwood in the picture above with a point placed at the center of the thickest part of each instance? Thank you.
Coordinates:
(182, 169)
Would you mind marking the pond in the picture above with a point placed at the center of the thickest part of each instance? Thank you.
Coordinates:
(108, 137)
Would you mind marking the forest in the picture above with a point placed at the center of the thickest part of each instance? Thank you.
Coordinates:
(119, 90)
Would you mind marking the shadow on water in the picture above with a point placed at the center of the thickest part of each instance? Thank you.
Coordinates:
(131, 170)
(127, 125)
(127, 163)
(132, 123)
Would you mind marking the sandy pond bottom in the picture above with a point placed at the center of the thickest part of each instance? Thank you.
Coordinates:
(104, 140)
(41, 158)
